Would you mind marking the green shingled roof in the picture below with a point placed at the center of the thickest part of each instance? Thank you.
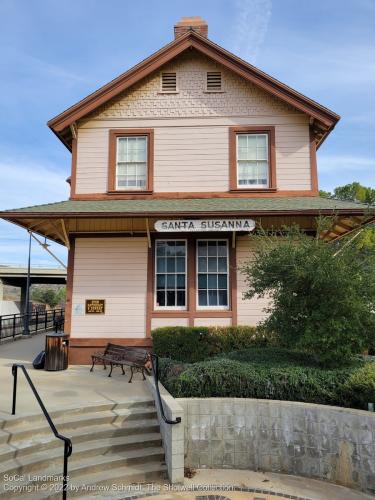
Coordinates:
(186, 206)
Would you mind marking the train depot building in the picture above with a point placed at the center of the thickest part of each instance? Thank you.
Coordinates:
(175, 164)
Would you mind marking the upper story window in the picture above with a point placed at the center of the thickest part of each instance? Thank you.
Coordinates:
(169, 82)
(252, 158)
(214, 82)
(130, 160)
(131, 165)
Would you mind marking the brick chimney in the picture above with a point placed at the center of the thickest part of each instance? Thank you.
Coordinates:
(195, 23)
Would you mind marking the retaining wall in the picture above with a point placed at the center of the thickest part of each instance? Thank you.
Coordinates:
(316, 441)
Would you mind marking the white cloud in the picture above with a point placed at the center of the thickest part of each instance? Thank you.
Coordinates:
(251, 25)
(25, 183)
(339, 163)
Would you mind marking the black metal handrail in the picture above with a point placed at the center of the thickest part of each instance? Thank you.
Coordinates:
(67, 442)
(155, 372)
(12, 325)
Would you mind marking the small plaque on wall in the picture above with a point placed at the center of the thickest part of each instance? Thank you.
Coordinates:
(95, 306)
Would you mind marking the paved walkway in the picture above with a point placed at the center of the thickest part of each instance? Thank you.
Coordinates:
(69, 388)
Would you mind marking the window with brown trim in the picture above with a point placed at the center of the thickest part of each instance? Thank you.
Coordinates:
(130, 166)
(252, 158)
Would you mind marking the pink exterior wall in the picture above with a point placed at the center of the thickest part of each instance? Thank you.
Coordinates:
(114, 269)
(191, 131)
(249, 312)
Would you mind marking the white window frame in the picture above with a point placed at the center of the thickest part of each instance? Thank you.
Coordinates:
(253, 186)
(132, 188)
(172, 308)
(218, 307)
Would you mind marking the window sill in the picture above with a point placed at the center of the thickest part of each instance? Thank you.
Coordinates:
(214, 92)
(169, 92)
(253, 190)
(129, 191)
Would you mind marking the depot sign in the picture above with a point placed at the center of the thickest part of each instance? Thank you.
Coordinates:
(204, 225)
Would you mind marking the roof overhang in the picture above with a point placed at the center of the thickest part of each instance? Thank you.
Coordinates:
(322, 119)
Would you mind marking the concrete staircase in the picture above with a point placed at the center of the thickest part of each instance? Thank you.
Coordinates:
(113, 444)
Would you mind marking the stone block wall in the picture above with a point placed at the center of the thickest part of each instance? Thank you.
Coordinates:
(172, 435)
(317, 441)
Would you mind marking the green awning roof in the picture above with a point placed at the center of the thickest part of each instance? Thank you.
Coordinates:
(313, 205)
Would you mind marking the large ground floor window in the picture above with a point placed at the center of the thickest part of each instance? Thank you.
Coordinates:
(201, 263)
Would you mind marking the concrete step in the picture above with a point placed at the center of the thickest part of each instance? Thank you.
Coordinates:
(113, 482)
(68, 422)
(92, 444)
(36, 418)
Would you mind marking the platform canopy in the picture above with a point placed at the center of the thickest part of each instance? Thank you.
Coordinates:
(58, 221)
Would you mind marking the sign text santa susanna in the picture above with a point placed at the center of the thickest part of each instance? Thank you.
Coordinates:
(204, 225)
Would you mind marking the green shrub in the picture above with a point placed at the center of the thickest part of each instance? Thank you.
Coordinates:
(360, 387)
(270, 373)
(196, 344)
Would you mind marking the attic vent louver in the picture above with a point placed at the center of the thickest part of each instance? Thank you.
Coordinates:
(213, 81)
(168, 82)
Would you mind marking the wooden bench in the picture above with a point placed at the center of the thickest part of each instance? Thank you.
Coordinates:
(118, 355)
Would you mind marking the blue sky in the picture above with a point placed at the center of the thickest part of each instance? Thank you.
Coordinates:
(53, 53)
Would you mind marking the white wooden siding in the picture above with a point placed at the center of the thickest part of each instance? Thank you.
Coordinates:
(114, 269)
(159, 322)
(212, 321)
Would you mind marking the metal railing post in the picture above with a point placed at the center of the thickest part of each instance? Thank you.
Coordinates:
(14, 373)
(14, 325)
(36, 320)
(155, 372)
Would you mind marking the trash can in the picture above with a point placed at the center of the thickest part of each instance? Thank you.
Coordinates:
(56, 351)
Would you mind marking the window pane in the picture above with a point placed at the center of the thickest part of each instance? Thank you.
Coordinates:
(171, 298)
(160, 298)
(212, 248)
(222, 281)
(202, 297)
(222, 264)
(180, 248)
(171, 264)
(160, 281)
(212, 298)
(212, 264)
(171, 281)
(221, 248)
(212, 281)
(180, 264)
(170, 248)
(202, 264)
(223, 298)
(202, 281)
(160, 265)
(181, 281)
(160, 248)
(202, 248)
(180, 298)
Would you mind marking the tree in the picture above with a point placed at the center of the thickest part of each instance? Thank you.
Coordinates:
(322, 295)
(352, 192)
(48, 296)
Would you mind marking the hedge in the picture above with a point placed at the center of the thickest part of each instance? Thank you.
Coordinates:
(194, 344)
(271, 374)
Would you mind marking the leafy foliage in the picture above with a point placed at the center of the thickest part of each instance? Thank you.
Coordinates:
(323, 300)
(48, 296)
(265, 373)
(352, 192)
(198, 343)
(361, 385)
